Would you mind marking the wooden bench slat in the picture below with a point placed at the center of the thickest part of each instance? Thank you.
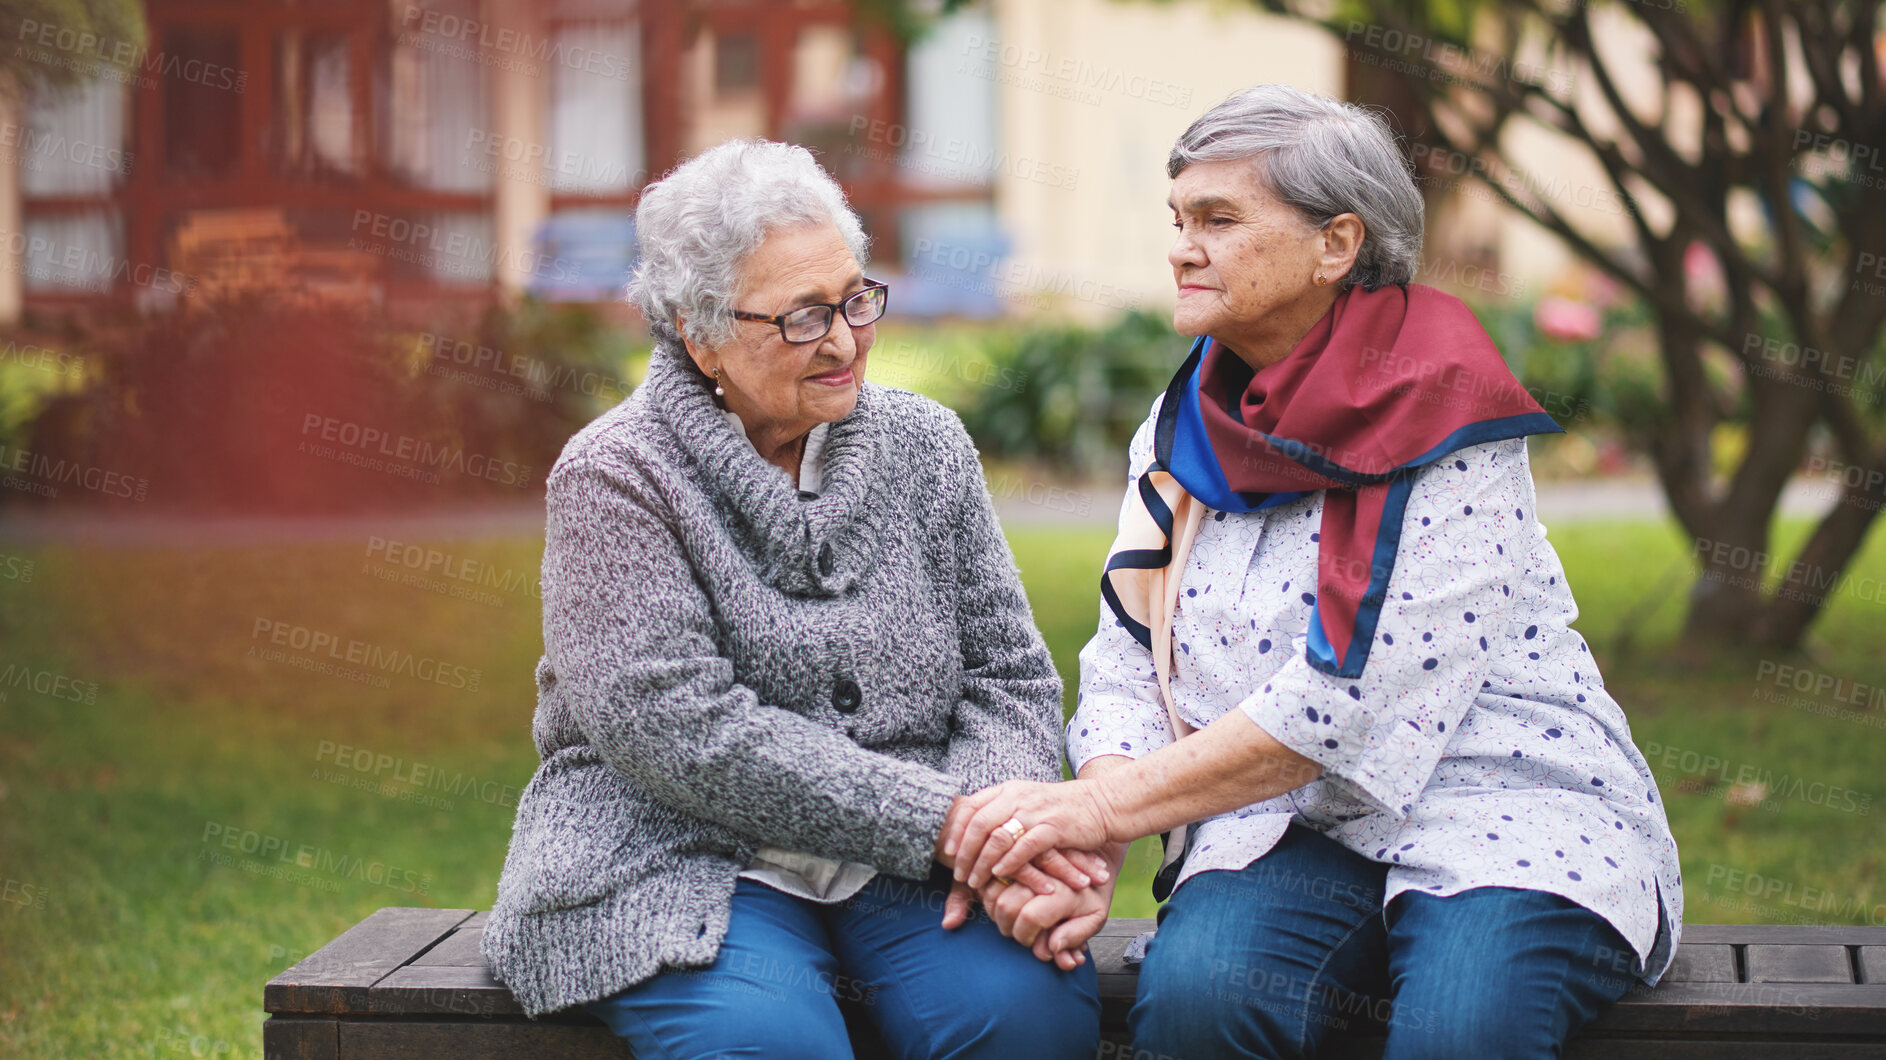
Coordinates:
(459, 949)
(301, 1038)
(1584, 1048)
(1117, 993)
(1702, 963)
(1872, 961)
(1798, 964)
(1628, 1047)
(442, 990)
(1110, 950)
(481, 1040)
(1801, 1009)
(1788, 934)
(335, 978)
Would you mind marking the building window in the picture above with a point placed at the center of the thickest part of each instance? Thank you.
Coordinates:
(596, 133)
(74, 142)
(202, 115)
(74, 253)
(314, 90)
(431, 106)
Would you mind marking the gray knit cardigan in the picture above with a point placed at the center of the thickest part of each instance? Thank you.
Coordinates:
(727, 665)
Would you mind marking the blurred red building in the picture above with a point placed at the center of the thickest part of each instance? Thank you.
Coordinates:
(414, 153)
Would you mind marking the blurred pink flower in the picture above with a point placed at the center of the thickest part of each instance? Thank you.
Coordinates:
(1566, 320)
(1704, 272)
(1699, 262)
(1603, 291)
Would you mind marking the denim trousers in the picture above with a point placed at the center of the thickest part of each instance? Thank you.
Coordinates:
(873, 975)
(1270, 960)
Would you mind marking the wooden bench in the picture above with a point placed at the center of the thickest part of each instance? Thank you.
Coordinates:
(410, 983)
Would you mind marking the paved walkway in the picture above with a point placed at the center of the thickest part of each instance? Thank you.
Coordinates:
(1019, 503)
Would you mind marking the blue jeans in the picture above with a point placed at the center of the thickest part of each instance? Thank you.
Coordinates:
(1269, 960)
(799, 979)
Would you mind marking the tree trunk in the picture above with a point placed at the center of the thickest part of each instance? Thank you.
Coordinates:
(1820, 571)
(1791, 91)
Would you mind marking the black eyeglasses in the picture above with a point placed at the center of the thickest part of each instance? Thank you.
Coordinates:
(811, 323)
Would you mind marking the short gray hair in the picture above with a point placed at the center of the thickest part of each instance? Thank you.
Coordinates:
(696, 227)
(1323, 158)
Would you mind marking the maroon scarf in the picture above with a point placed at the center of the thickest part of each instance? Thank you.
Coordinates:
(1387, 382)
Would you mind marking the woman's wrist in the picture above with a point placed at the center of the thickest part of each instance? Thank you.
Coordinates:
(1230, 763)
(1112, 789)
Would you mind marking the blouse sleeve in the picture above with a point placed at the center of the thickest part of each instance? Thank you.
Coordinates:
(1120, 710)
(1449, 601)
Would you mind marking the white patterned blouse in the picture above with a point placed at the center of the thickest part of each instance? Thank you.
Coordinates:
(1479, 747)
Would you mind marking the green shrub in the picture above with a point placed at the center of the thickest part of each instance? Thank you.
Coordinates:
(1074, 395)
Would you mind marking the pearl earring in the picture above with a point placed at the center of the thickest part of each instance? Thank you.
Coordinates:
(719, 391)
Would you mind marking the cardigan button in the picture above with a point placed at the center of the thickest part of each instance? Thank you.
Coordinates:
(825, 559)
(846, 695)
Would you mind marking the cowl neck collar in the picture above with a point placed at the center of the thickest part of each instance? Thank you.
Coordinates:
(812, 547)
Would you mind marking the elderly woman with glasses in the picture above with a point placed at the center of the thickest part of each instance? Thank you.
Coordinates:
(1335, 665)
(783, 638)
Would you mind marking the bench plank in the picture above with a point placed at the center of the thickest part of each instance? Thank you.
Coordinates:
(1807, 1010)
(300, 1038)
(1785, 934)
(1698, 962)
(1584, 1048)
(481, 1040)
(1873, 964)
(1589, 1047)
(443, 990)
(1798, 964)
(459, 949)
(1127, 927)
(336, 977)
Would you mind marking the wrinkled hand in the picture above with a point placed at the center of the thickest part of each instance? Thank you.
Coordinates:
(1075, 868)
(1056, 818)
(1055, 926)
(959, 906)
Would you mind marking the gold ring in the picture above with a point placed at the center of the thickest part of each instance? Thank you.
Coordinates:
(1006, 881)
(1014, 827)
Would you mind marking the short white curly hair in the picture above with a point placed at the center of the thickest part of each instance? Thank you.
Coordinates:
(696, 227)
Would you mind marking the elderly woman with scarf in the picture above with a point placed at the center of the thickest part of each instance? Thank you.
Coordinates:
(1335, 665)
(783, 639)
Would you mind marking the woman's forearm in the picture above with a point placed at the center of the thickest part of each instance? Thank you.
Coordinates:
(1228, 764)
(1114, 850)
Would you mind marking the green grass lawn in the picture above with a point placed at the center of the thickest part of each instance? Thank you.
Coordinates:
(183, 815)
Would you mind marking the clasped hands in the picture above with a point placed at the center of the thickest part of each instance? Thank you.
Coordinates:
(1048, 888)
